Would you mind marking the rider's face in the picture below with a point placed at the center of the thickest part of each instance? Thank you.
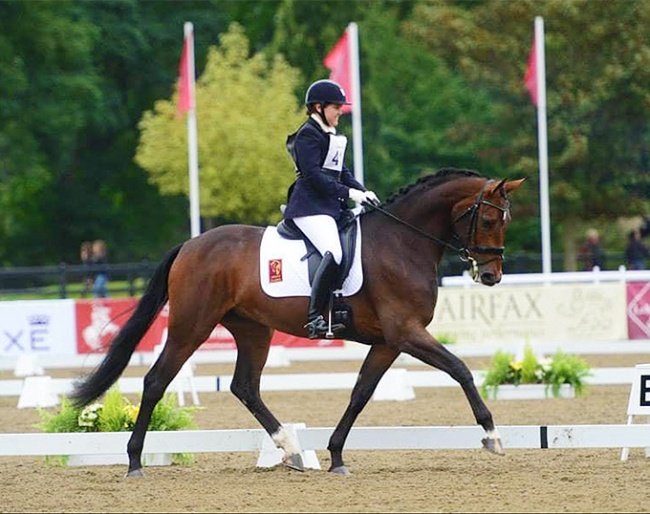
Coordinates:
(332, 113)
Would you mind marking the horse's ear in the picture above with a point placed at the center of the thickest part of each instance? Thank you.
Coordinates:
(494, 187)
(511, 185)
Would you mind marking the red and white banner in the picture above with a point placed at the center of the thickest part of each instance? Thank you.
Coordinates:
(97, 322)
(69, 327)
(638, 310)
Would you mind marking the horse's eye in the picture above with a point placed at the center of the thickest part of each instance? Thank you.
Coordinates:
(486, 224)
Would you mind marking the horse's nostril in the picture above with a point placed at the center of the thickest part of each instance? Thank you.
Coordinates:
(488, 278)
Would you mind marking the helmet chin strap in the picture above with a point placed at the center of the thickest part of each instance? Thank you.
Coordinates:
(321, 113)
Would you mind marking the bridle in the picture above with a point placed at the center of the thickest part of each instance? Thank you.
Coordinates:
(464, 252)
(472, 212)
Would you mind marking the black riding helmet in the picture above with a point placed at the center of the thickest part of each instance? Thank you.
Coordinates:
(325, 92)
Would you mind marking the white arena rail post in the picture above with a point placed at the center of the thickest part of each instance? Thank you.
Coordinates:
(639, 402)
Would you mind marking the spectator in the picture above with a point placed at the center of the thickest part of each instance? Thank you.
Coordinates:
(590, 253)
(645, 227)
(86, 255)
(100, 274)
(636, 252)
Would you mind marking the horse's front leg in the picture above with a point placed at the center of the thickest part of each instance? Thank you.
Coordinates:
(378, 360)
(424, 347)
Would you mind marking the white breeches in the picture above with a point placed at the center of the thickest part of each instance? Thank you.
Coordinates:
(322, 231)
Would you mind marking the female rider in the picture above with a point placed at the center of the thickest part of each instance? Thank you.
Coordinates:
(320, 193)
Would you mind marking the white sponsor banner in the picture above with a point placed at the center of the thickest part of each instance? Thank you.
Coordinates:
(532, 313)
(37, 326)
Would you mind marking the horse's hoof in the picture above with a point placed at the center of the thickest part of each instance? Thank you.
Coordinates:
(340, 470)
(135, 473)
(493, 445)
(294, 461)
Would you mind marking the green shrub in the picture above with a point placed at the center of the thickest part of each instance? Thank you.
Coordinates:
(560, 369)
(118, 414)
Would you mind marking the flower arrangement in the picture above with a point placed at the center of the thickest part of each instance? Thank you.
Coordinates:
(559, 369)
(118, 414)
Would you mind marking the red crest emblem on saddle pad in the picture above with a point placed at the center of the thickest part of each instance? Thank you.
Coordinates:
(275, 270)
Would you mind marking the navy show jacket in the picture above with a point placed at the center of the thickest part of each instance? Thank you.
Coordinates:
(317, 190)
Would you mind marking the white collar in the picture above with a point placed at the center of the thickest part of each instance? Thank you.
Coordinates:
(325, 128)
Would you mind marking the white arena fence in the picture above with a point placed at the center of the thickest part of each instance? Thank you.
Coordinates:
(309, 381)
(596, 276)
(349, 352)
(361, 438)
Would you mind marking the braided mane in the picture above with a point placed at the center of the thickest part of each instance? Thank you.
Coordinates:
(433, 180)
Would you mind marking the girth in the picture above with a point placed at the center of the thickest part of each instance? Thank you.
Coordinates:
(347, 226)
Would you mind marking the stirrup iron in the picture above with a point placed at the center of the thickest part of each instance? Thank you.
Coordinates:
(318, 328)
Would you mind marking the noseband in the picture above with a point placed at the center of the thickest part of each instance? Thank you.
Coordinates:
(464, 252)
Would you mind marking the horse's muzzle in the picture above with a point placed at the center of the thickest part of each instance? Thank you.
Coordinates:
(489, 278)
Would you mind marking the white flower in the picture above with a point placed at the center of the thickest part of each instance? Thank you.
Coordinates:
(90, 415)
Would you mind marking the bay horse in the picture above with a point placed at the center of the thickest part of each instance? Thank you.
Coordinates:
(214, 278)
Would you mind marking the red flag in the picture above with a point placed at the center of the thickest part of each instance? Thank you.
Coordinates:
(185, 100)
(530, 79)
(338, 61)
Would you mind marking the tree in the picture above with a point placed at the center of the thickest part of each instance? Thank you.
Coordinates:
(245, 109)
(48, 92)
(75, 78)
(418, 115)
(598, 69)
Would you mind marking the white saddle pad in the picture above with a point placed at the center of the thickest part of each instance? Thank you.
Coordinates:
(282, 273)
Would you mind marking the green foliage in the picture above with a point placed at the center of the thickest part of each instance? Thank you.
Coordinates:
(567, 369)
(167, 416)
(66, 420)
(560, 369)
(445, 338)
(529, 367)
(247, 108)
(597, 71)
(501, 371)
(442, 85)
(419, 114)
(118, 414)
(75, 78)
(114, 415)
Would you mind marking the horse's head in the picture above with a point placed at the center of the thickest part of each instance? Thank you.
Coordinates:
(480, 222)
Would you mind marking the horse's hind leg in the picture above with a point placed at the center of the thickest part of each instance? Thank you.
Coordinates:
(253, 342)
(378, 360)
(156, 381)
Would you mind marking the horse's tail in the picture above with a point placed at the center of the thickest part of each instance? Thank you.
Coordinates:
(127, 339)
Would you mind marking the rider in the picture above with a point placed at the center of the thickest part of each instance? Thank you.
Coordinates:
(322, 188)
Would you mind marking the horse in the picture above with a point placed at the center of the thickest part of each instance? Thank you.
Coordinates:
(214, 278)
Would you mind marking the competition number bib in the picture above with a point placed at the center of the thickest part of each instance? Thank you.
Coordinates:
(336, 152)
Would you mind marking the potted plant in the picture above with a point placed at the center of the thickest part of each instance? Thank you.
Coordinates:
(560, 375)
(117, 414)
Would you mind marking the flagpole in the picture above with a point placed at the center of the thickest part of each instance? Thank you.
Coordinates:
(543, 146)
(193, 160)
(357, 134)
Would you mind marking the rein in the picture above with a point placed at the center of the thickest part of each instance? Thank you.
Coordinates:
(464, 253)
(416, 229)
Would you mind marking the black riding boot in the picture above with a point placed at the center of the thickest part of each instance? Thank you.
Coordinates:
(324, 279)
